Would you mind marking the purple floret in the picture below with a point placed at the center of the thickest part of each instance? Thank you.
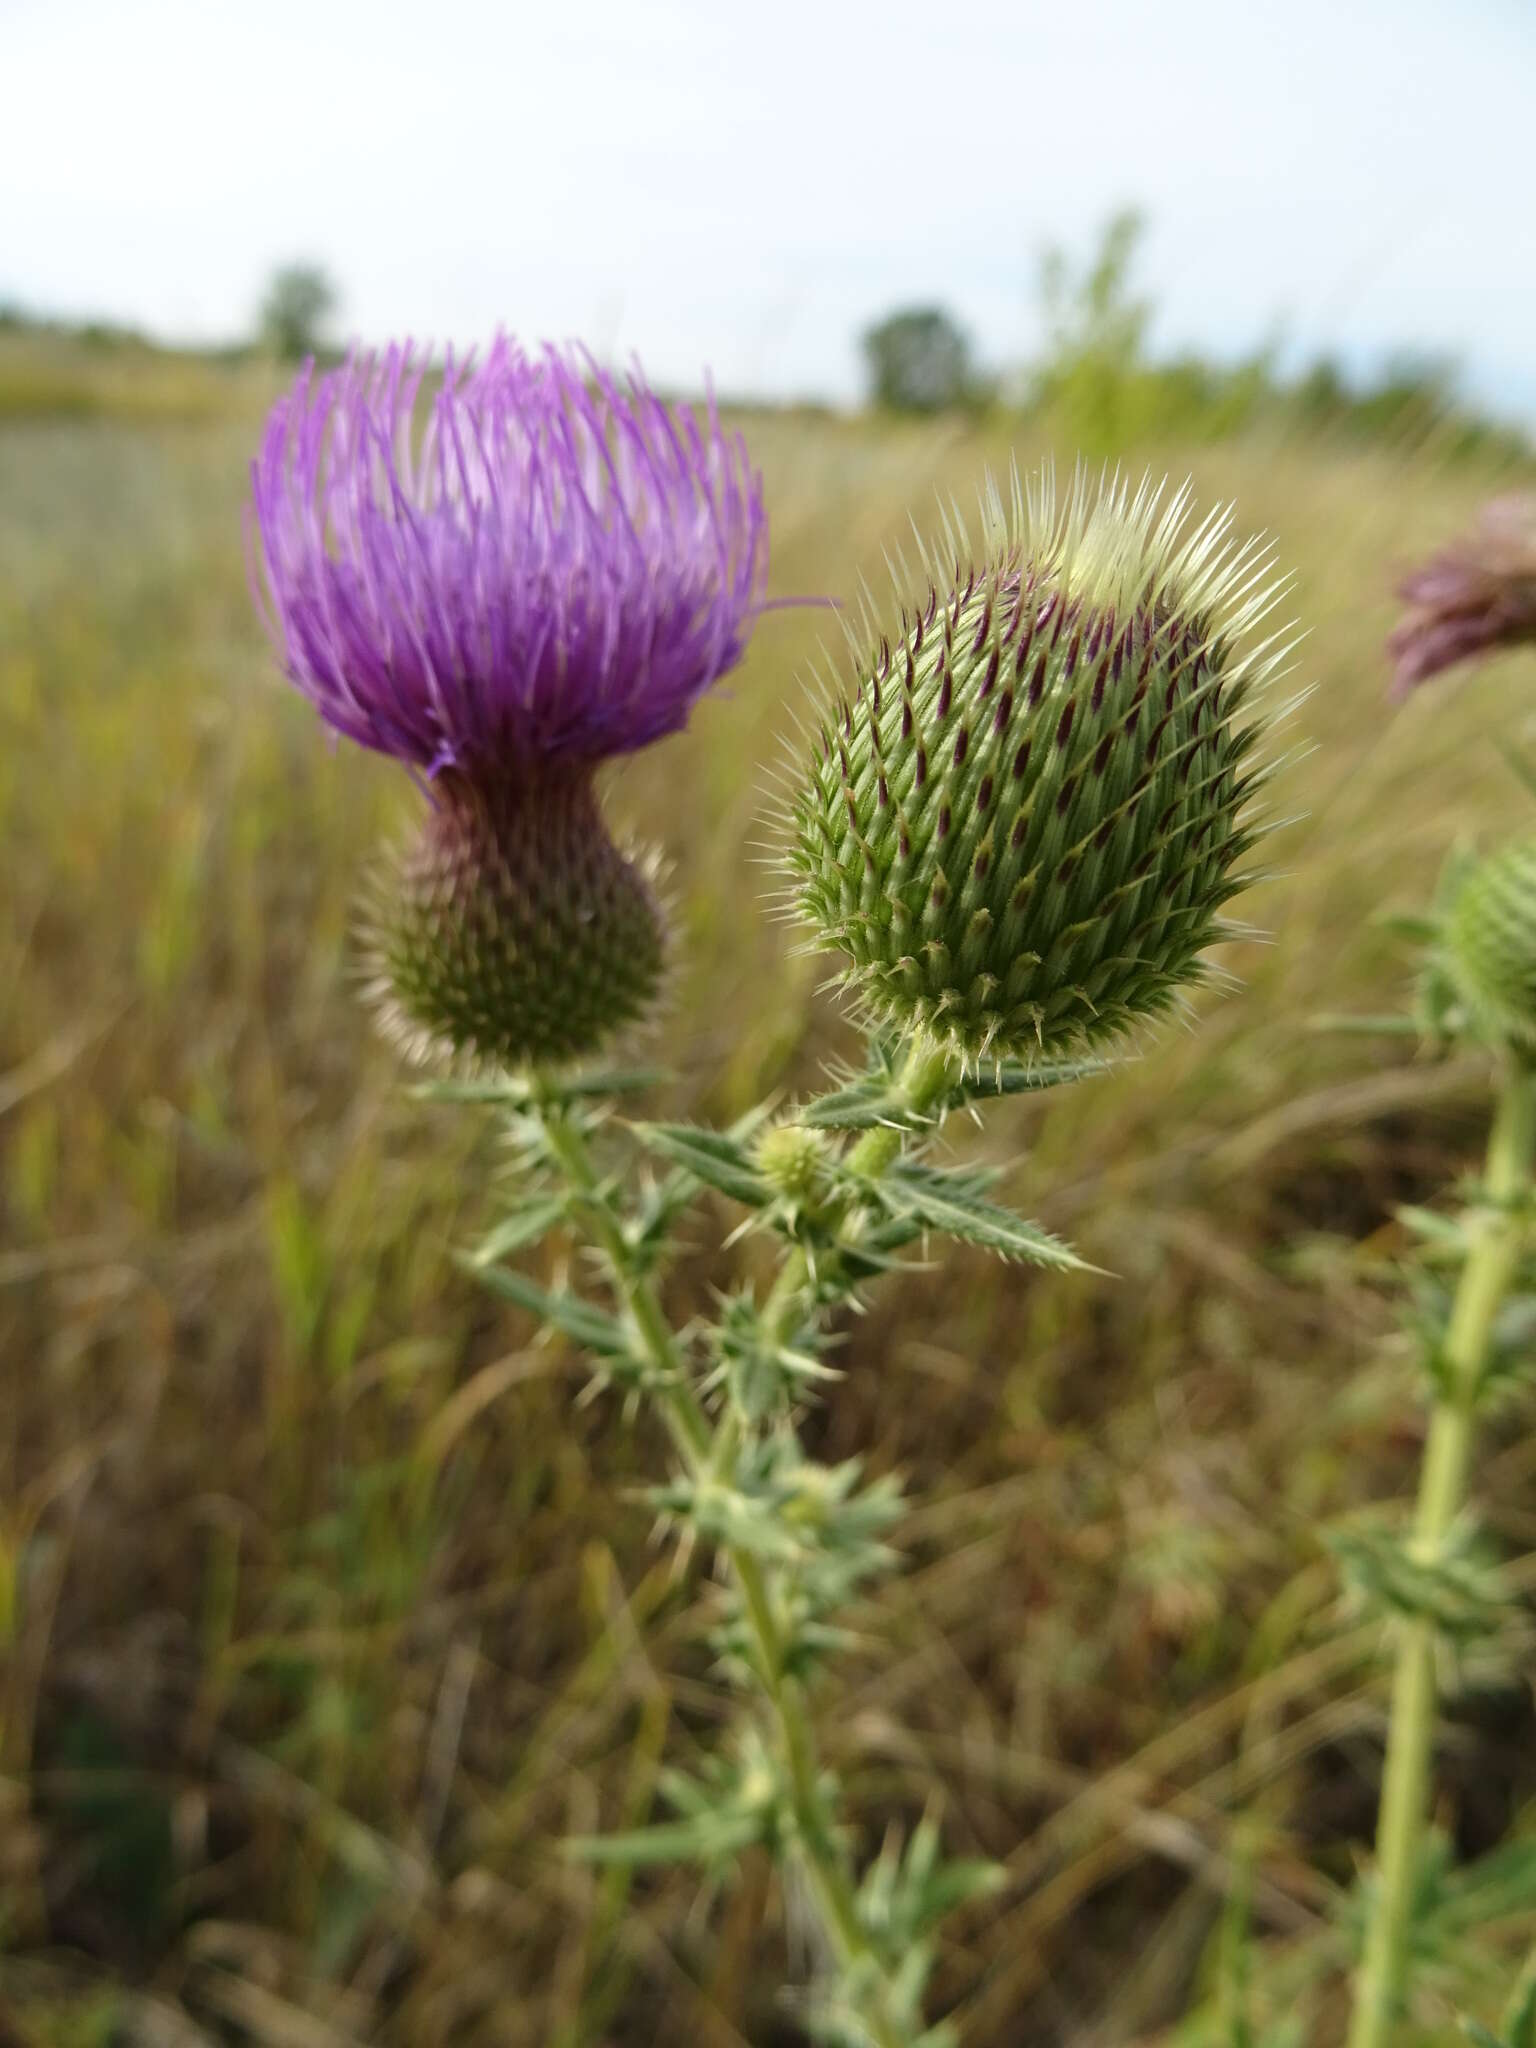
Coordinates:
(530, 562)
(1474, 598)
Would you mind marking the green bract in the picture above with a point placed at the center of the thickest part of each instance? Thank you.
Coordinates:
(1488, 945)
(514, 932)
(1021, 822)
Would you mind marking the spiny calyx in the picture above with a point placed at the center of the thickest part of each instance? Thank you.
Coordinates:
(513, 932)
(1021, 823)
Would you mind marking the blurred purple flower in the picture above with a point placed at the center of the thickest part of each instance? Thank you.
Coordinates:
(1474, 597)
(547, 565)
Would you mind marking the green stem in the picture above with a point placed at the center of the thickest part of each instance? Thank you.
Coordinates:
(925, 1074)
(1485, 1279)
(923, 1078)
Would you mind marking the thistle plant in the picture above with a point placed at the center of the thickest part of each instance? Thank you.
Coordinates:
(1018, 818)
(1477, 987)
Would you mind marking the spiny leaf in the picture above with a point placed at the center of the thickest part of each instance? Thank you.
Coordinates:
(526, 1224)
(718, 1158)
(590, 1327)
(861, 1105)
(951, 1200)
(1023, 1077)
(518, 1091)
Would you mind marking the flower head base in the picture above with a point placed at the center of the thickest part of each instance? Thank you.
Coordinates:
(1488, 945)
(1022, 822)
(513, 932)
(1473, 598)
(551, 567)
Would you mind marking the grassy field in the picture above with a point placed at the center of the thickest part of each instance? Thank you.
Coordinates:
(323, 1607)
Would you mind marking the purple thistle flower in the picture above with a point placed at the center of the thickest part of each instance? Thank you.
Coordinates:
(549, 566)
(1471, 599)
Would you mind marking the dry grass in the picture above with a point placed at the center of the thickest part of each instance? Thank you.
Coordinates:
(326, 1611)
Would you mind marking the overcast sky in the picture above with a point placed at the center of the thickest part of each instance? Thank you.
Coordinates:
(743, 184)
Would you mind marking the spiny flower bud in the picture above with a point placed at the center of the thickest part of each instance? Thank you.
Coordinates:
(1488, 945)
(793, 1160)
(1022, 821)
(528, 572)
(514, 931)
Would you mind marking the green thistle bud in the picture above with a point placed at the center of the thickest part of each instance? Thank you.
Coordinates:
(1488, 945)
(513, 931)
(1022, 821)
(792, 1158)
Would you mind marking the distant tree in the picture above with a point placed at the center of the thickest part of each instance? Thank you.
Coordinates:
(299, 301)
(918, 360)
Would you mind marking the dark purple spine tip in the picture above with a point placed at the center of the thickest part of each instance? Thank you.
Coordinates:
(1066, 870)
(946, 691)
(1064, 799)
(853, 812)
(941, 830)
(983, 627)
(1064, 723)
(1037, 681)
(885, 794)
(962, 745)
(981, 863)
(984, 793)
(921, 775)
(906, 718)
(1105, 833)
(1021, 761)
(1102, 753)
(989, 680)
(1004, 711)
(1073, 652)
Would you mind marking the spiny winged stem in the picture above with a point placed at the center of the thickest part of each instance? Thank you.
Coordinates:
(706, 1449)
(1492, 1257)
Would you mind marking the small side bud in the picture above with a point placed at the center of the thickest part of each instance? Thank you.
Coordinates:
(793, 1160)
(514, 932)
(1488, 946)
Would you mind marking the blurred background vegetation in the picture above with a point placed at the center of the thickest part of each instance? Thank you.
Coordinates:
(324, 1607)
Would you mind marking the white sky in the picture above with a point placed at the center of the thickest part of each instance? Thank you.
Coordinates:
(744, 184)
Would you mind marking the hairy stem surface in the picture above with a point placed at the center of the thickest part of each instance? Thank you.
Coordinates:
(1485, 1279)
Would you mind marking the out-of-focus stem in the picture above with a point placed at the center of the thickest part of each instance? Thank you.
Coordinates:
(1485, 1279)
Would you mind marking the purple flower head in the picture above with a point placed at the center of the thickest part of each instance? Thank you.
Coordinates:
(530, 562)
(1471, 599)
